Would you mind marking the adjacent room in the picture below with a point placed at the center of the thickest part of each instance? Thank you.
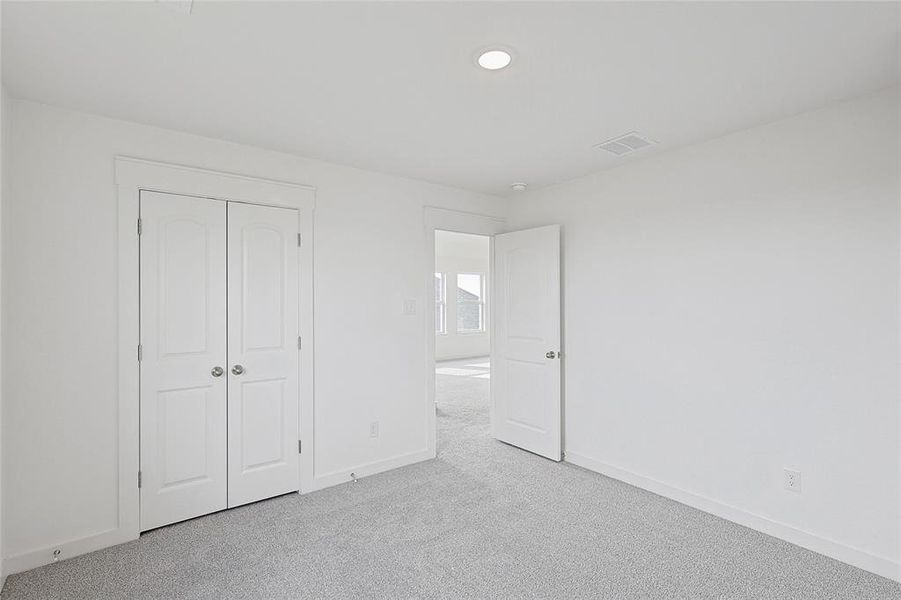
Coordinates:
(432, 299)
(462, 340)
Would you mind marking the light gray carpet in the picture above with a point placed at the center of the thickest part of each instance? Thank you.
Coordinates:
(483, 520)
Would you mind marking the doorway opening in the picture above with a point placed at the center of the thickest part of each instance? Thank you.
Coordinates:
(462, 338)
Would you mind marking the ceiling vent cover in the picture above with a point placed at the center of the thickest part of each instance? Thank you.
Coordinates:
(626, 143)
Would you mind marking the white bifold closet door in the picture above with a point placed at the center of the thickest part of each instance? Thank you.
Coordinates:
(219, 360)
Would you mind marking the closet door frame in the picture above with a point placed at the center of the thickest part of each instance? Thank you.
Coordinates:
(132, 176)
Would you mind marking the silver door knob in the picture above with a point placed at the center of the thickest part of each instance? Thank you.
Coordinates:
(551, 354)
(237, 370)
(217, 372)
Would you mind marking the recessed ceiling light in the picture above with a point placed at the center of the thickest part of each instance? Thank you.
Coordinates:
(518, 187)
(494, 59)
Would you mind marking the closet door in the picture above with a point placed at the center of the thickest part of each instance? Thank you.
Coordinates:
(262, 352)
(183, 358)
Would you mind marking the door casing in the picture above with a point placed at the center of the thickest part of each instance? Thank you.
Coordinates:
(461, 222)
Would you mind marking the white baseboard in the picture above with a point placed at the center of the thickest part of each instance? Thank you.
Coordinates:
(372, 468)
(846, 554)
(44, 556)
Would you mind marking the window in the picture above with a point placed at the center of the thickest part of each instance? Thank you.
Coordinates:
(470, 303)
(440, 303)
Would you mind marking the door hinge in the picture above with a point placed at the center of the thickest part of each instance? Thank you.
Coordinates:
(298, 240)
(139, 480)
(299, 447)
(140, 352)
(299, 342)
(140, 228)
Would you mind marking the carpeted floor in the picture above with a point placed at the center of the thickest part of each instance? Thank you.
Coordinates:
(483, 520)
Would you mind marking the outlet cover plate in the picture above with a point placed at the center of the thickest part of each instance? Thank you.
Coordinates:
(792, 480)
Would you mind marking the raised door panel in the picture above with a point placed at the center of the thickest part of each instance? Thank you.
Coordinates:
(183, 327)
(263, 414)
(263, 352)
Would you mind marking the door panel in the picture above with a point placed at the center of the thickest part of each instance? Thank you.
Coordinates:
(262, 341)
(262, 422)
(183, 313)
(182, 432)
(525, 382)
(263, 294)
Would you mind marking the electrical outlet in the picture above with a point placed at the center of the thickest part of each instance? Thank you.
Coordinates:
(374, 429)
(410, 306)
(792, 480)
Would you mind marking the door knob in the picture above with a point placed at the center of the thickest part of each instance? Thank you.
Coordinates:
(217, 372)
(551, 354)
(237, 370)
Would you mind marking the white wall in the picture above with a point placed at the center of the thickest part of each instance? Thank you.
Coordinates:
(59, 344)
(4, 183)
(730, 309)
(461, 253)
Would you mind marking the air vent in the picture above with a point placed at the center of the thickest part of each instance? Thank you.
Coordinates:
(626, 143)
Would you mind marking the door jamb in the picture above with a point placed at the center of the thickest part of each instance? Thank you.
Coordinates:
(461, 222)
(134, 175)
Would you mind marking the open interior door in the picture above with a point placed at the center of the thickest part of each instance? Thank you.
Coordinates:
(525, 357)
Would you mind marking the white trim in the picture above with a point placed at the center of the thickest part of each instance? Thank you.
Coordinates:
(133, 175)
(194, 181)
(371, 468)
(879, 565)
(461, 222)
(44, 556)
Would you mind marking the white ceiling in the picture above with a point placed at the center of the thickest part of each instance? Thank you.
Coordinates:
(393, 87)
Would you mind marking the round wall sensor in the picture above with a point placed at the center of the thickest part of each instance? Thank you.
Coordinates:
(518, 187)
